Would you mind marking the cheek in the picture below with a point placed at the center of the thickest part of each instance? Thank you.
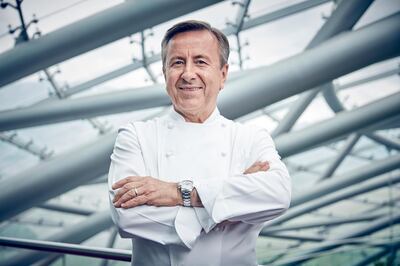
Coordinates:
(215, 83)
(170, 81)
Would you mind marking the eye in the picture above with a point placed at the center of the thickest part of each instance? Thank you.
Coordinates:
(200, 62)
(177, 62)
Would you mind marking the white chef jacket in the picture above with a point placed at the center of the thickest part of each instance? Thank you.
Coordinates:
(214, 154)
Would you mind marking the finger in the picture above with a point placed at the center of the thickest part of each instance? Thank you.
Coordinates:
(119, 194)
(265, 167)
(140, 200)
(121, 182)
(125, 189)
(257, 167)
(254, 168)
(130, 194)
(125, 180)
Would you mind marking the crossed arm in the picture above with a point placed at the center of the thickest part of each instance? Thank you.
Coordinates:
(259, 194)
(134, 191)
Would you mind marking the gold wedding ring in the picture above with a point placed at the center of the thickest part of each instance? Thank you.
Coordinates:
(136, 192)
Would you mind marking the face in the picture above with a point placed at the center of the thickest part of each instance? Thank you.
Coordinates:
(193, 74)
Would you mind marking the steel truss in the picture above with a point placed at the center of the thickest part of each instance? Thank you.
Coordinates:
(66, 171)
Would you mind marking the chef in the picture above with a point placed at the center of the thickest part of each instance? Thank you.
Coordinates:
(192, 187)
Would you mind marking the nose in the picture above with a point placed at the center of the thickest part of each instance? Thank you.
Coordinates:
(189, 72)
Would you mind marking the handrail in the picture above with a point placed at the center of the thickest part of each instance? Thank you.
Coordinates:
(66, 248)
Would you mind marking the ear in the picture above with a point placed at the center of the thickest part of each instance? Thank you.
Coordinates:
(224, 75)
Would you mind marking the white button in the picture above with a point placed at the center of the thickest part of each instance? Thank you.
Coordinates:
(169, 153)
(170, 125)
(223, 125)
(223, 154)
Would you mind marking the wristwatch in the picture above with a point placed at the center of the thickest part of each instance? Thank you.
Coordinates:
(186, 187)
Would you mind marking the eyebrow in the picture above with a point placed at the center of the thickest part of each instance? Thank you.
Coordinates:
(175, 57)
(183, 58)
(202, 56)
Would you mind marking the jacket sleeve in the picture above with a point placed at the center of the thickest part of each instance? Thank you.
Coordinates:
(250, 198)
(149, 222)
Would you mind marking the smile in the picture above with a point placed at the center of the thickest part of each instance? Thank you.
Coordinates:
(190, 88)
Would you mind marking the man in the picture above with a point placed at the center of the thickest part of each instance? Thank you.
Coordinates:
(192, 187)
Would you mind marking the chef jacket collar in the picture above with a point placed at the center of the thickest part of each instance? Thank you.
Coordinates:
(179, 118)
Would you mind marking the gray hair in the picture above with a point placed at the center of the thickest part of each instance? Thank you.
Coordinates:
(195, 25)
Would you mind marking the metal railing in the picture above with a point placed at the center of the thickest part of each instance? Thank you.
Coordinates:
(65, 248)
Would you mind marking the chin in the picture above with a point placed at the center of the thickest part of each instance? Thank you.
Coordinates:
(189, 106)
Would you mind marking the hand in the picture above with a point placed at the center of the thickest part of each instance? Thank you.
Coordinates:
(152, 191)
(145, 190)
(254, 168)
(257, 167)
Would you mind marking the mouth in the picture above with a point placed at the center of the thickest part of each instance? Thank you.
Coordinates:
(190, 88)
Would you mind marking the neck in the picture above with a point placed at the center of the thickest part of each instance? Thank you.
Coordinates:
(195, 117)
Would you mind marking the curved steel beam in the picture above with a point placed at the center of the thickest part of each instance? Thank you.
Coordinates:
(341, 125)
(336, 105)
(266, 85)
(67, 171)
(345, 16)
(72, 109)
(376, 256)
(67, 209)
(344, 151)
(356, 176)
(373, 227)
(390, 144)
(55, 176)
(332, 100)
(74, 234)
(248, 24)
(339, 55)
(318, 223)
(381, 75)
(89, 33)
(335, 197)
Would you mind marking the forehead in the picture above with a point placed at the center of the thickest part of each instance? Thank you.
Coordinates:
(199, 41)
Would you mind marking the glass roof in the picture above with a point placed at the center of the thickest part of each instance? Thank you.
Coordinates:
(266, 44)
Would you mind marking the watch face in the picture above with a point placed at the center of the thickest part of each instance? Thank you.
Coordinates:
(186, 185)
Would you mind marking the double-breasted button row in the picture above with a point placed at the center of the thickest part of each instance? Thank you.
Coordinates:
(170, 125)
